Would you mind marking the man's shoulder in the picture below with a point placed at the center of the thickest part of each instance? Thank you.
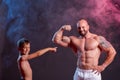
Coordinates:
(72, 36)
(98, 36)
(101, 37)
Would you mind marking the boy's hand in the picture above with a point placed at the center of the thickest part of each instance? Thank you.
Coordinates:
(54, 49)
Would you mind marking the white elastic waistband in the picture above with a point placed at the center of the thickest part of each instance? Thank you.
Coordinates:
(84, 70)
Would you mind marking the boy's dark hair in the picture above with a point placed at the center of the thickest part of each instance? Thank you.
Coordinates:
(21, 42)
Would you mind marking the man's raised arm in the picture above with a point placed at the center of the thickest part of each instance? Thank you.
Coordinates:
(59, 38)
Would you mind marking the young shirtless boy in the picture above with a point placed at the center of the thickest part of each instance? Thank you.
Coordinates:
(23, 46)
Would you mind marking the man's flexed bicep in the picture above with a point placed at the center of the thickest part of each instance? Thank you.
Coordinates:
(59, 38)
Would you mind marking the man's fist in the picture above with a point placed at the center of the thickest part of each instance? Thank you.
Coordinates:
(66, 27)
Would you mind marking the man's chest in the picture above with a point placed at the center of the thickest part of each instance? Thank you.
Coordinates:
(86, 44)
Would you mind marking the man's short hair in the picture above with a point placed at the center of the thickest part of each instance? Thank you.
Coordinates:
(21, 42)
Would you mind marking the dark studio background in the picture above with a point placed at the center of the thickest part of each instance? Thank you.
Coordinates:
(38, 20)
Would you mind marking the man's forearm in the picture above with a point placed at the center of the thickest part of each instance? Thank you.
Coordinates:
(110, 58)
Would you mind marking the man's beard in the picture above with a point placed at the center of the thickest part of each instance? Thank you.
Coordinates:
(83, 34)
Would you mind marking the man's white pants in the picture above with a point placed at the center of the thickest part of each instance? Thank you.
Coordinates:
(81, 74)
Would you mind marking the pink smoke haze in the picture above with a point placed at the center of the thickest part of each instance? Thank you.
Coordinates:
(104, 13)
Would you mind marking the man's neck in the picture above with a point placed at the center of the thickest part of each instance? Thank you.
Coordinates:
(88, 35)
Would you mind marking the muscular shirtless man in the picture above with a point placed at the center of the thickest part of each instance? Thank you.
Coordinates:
(88, 47)
(23, 64)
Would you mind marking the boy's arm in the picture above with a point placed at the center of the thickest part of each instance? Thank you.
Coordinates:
(41, 52)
